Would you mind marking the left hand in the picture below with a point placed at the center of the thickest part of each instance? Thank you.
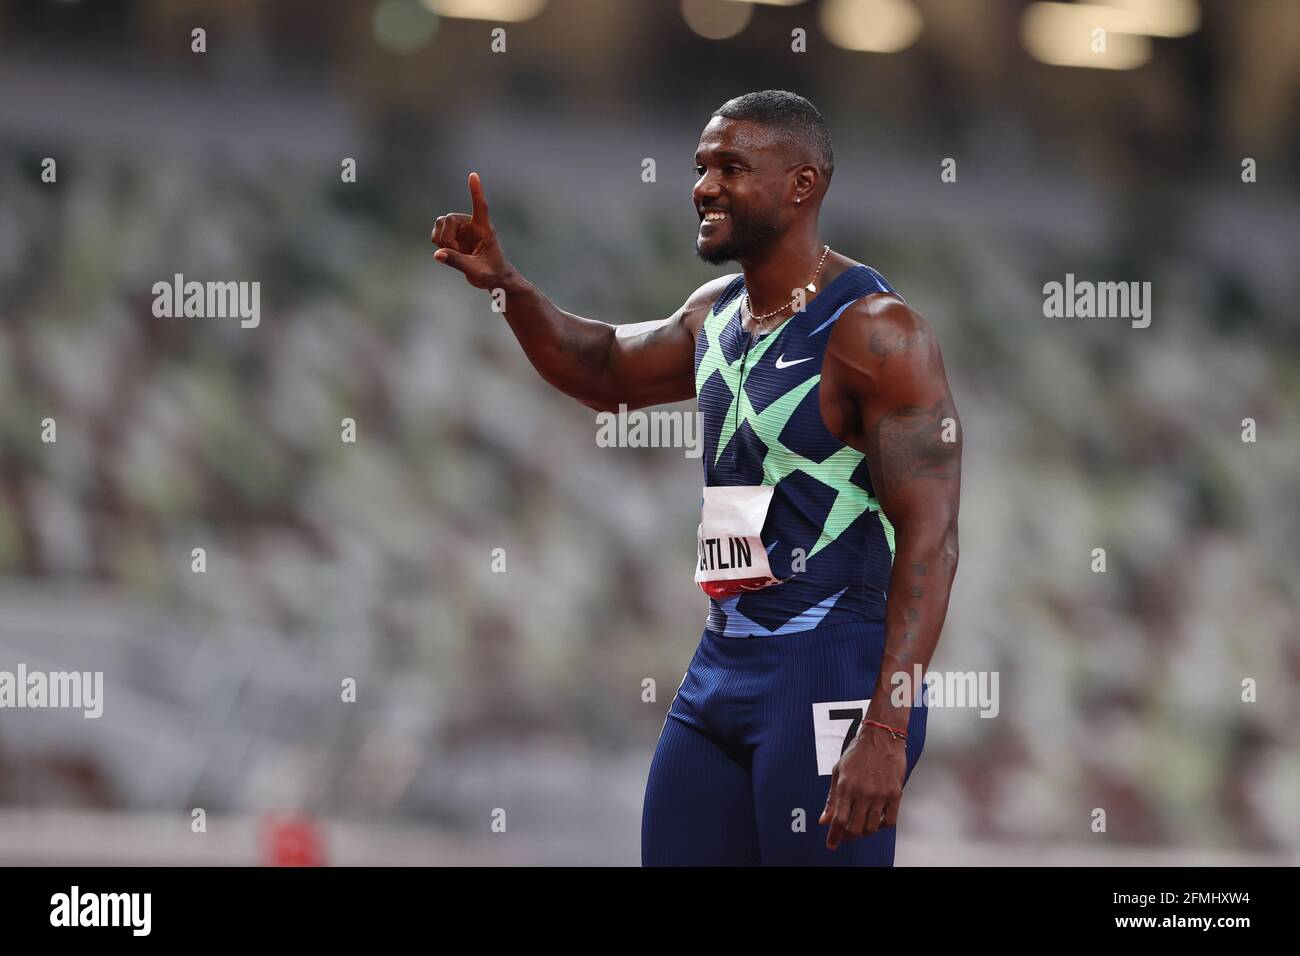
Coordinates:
(866, 786)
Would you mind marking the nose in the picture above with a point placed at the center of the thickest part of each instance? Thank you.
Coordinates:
(706, 189)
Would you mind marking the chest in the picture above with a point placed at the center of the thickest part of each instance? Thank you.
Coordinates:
(767, 400)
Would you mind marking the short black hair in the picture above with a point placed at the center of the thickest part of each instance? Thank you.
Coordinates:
(789, 113)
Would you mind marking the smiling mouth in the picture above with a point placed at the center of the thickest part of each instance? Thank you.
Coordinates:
(712, 219)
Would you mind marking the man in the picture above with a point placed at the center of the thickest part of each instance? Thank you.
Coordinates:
(828, 533)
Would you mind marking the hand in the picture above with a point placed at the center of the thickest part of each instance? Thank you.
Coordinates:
(469, 243)
(866, 786)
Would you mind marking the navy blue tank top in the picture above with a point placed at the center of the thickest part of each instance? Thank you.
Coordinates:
(824, 531)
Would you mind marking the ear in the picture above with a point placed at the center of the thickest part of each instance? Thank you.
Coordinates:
(805, 181)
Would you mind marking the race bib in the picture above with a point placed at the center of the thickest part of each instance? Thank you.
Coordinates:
(732, 558)
(835, 724)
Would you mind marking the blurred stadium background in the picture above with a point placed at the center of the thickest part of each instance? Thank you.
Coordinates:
(522, 691)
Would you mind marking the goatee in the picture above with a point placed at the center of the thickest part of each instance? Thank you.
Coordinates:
(747, 236)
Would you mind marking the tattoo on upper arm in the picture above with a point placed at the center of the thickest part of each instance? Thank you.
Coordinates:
(908, 443)
(588, 350)
(887, 341)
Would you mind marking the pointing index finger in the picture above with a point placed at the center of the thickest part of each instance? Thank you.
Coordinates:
(478, 199)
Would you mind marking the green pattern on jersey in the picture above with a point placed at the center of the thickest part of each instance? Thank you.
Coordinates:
(835, 472)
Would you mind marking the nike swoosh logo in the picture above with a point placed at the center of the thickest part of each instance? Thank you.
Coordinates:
(782, 363)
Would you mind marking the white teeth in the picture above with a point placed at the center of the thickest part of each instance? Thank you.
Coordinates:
(714, 216)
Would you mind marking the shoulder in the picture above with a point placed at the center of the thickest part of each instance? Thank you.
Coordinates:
(878, 327)
(882, 349)
(702, 300)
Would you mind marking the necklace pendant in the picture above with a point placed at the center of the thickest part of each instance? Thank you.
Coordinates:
(811, 287)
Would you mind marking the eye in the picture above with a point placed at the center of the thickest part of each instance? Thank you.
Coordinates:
(732, 169)
(699, 170)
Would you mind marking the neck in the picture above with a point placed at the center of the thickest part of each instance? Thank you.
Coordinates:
(772, 276)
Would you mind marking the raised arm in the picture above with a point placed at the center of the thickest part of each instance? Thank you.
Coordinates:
(885, 377)
(599, 364)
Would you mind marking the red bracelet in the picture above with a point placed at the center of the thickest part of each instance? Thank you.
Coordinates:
(893, 731)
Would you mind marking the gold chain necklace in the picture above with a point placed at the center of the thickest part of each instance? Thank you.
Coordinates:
(811, 287)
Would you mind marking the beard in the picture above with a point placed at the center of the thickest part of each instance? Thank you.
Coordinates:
(746, 235)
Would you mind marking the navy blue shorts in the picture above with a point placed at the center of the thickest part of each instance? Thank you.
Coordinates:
(742, 770)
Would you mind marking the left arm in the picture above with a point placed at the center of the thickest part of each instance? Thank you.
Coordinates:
(884, 375)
